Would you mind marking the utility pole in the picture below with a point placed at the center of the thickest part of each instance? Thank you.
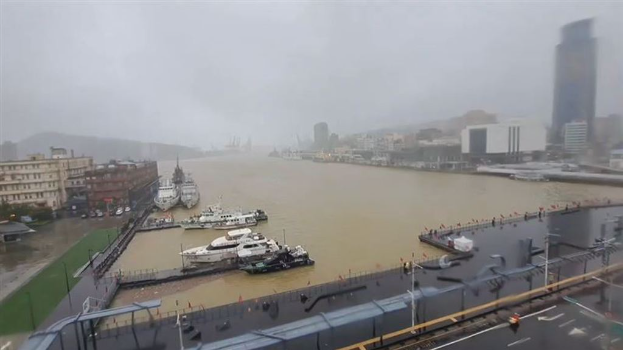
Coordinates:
(547, 236)
(412, 295)
(411, 292)
(67, 281)
(179, 327)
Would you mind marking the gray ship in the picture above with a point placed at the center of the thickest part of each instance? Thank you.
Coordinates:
(189, 192)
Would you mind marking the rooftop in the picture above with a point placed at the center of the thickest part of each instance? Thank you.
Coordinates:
(13, 228)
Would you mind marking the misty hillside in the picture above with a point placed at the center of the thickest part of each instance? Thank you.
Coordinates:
(103, 149)
(452, 126)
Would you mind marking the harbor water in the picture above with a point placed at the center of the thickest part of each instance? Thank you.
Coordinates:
(350, 218)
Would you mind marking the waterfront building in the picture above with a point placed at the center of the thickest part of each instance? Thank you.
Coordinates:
(575, 137)
(365, 142)
(432, 155)
(321, 136)
(121, 184)
(608, 131)
(410, 141)
(575, 78)
(616, 159)
(508, 142)
(45, 182)
(8, 151)
(428, 134)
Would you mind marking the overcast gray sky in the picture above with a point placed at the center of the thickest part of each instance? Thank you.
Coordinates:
(197, 73)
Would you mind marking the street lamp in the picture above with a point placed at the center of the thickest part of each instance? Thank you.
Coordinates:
(412, 293)
(547, 235)
(66, 278)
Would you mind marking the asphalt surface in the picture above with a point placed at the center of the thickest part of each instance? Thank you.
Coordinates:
(566, 326)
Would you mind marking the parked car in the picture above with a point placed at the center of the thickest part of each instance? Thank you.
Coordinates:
(127, 209)
(119, 212)
(84, 215)
(93, 214)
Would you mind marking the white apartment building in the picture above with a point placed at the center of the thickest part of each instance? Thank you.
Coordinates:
(42, 181)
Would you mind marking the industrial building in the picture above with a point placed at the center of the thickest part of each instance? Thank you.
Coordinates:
(509, 142)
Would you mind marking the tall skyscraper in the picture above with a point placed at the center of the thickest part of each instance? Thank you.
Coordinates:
(321, 136)
(575, 78)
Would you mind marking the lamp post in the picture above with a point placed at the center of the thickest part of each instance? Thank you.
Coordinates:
(412, 293)
(547, 236)
(66, 278)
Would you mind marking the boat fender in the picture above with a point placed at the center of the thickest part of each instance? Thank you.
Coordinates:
(303, 298)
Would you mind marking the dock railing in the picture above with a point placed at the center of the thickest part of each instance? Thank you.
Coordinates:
(517, 217)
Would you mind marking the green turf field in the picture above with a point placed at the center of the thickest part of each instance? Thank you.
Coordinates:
(48, 287)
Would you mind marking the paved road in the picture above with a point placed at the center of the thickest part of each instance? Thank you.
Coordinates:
(567, 326)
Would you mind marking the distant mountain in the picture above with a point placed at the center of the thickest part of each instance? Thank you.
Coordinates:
(452, 126)
(104, 149)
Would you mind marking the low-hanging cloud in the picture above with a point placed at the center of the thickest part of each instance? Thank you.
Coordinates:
(199, 73)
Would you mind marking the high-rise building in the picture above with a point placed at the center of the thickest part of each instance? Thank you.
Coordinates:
(321, 136)
(575, 78)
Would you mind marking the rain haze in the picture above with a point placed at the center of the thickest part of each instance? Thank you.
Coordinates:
(196, 73)
(311, 174)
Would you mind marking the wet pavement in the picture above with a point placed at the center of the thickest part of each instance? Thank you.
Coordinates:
(565, 327)
(20, 261)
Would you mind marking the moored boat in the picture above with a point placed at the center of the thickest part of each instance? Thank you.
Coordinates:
(259, 215)
(168, 195)
(236, 222)
(189, 192)
(194, 223)
(285, 258)
(243, 243)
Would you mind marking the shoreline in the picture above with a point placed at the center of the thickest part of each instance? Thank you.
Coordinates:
(552, 177)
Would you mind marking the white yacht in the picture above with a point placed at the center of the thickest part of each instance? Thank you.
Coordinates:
(238, 221)
(241, 243)
(189, 192)
(168, 195)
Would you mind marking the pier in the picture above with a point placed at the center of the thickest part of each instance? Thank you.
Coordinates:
(486, 276)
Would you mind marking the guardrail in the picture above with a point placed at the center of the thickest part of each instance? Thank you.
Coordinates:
(517, 217)
(496, 304)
